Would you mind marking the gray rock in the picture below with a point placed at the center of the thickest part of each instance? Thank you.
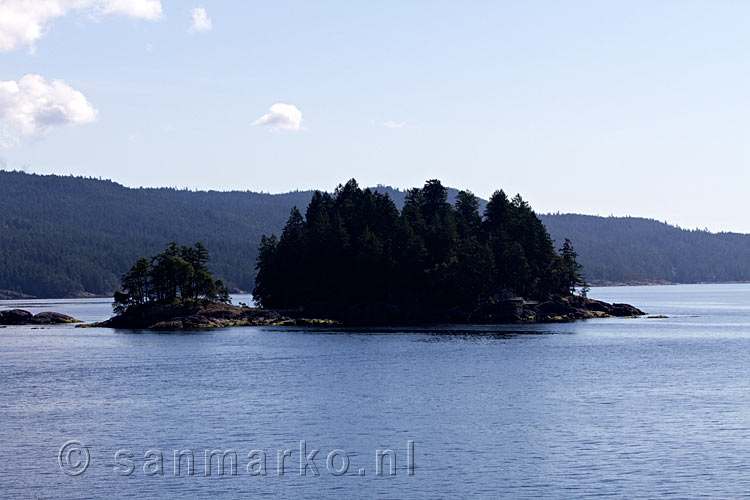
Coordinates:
(21, 317)
(15, 317)
(52, 318)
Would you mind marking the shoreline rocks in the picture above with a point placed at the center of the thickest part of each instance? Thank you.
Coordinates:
(199, 314)
(203, 314)
(554, 310)
(20, 317)
(11, 295)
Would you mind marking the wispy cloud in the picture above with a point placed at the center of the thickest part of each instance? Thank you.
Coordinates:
(201, 21)
(392, 124)
(31, 106)
(280, 117)
(23, 22)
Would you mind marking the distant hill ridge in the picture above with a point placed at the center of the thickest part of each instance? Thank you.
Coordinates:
(637, 250)
(71, 236)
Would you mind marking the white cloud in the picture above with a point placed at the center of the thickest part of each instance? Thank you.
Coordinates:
(281, 117)
(140, 9)
(201, 21)
(392, 124)
(31, 106)
(22, 22)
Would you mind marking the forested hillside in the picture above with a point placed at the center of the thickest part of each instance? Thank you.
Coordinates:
(61, 236)
(630, 249)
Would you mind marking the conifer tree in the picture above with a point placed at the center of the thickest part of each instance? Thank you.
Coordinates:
(571, 269)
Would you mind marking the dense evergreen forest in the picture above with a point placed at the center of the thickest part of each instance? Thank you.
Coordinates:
(355, 247)
(62, 236)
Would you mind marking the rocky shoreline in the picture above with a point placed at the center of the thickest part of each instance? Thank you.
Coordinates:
(558, 308)
(554, 310)
(11, 295)
(196, 314)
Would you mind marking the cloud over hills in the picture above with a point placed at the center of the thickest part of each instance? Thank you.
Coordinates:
(286, 117)
(31, 106)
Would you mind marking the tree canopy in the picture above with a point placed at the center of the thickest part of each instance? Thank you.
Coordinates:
(178, 273)
(355, 247)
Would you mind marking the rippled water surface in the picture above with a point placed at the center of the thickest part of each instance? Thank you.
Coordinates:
(625, 408)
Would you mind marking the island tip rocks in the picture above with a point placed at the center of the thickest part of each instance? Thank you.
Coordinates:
(553, 310)
(576, 307)
(199, 314)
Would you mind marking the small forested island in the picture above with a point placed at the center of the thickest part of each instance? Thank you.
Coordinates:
(353, 257)
(175, 289)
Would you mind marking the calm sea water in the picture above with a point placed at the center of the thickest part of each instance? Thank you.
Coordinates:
(624, 408)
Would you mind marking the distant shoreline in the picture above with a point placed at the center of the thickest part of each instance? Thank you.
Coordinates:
(605, 284)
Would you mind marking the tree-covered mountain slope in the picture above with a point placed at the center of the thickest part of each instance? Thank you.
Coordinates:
(64, 236)
(631, 250)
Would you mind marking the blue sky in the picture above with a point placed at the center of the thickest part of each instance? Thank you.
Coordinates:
(625, 108)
